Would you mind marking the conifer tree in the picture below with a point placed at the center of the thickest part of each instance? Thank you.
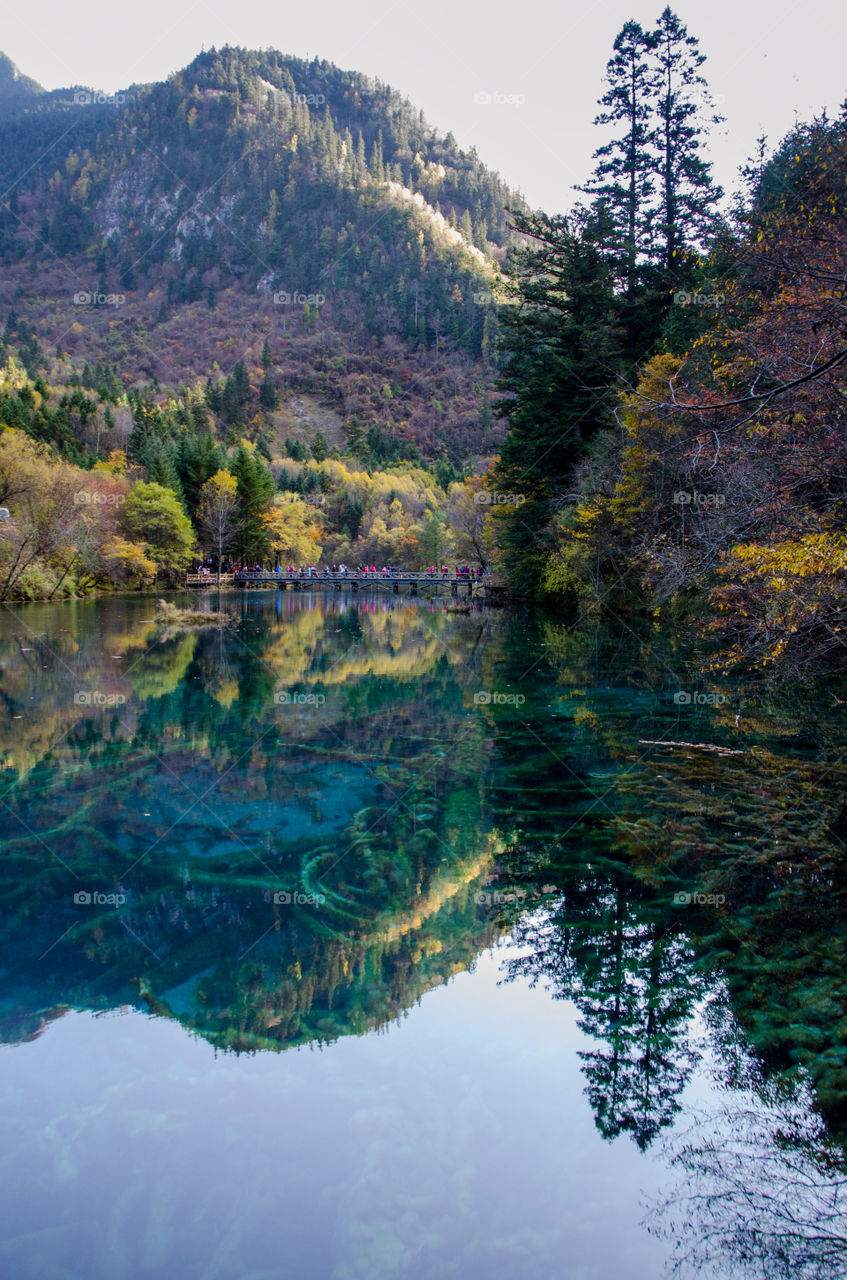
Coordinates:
(255, 490)
(623, 182)
(654, 197)
(565, 350)
(688, 195)
(268, 397)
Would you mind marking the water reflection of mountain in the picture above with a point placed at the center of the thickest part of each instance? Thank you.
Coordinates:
(387, 794)
(286, 824)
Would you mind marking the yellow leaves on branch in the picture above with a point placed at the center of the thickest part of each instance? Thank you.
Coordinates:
(293, 529)
(777, 594)
(127, 561)
(818, 554)
(649, 428)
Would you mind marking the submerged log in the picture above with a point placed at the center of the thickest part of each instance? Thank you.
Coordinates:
(691, 746)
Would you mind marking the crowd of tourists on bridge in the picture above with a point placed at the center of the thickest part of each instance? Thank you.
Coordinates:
(463, 572)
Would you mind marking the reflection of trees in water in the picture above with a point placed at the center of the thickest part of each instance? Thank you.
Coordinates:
(631, 980)
(754, 815)
(215, 679)
(762, 1184)
(566, 780)
(202, 798)
(610, 945)
(761, 1192)
(762, 832)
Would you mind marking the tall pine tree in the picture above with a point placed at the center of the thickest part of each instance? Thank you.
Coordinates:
(565, 350)
(623, 183)
(255, 490)
(688, 195)
(654, 196)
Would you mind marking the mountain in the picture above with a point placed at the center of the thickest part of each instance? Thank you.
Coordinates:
(173, 229)
(14, 87)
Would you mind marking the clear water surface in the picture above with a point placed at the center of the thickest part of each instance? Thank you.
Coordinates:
(368, 940)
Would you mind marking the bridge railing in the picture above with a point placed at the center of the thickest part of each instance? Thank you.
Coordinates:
(355, 579)
(208, 579)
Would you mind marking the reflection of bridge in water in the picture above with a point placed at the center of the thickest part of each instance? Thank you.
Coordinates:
(414, 583)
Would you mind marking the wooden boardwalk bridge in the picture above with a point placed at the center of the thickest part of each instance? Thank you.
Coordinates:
(395, 582)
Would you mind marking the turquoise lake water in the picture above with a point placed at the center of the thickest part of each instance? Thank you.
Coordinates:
(366, 940)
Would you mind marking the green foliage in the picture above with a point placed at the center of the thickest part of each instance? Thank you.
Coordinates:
(197, 458)
(255, 492)
(153, 516)
(563, 352)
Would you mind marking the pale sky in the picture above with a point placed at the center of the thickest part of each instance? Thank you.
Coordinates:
(540, 64)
